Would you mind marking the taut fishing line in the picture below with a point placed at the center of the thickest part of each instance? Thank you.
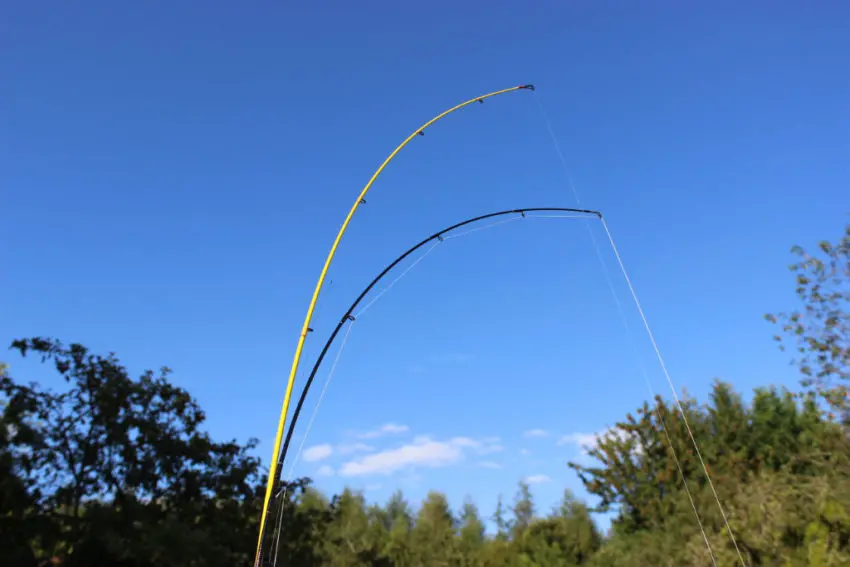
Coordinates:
(279, 453)
(281, 499)
(437, 239)
(657, 350)
(288, 478)
(274, 472)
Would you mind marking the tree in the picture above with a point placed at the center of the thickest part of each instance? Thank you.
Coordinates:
(398, 546)
(582, 536)
(17, 526)
(743, 445)
(433, 535)
(471, 536)
(567, 538)
(502, 524)
(819, 331)
(523, 509)
(117, 470)
(500, 551)
(638, 464)
(348, 542)
(299, 527)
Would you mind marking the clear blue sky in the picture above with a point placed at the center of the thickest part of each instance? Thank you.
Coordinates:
(173, 174)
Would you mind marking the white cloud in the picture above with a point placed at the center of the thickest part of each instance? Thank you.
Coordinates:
(464, 442)
(485, 446)
(489, 465)
(325, 470)
(591, 439)
(393, 428)
(489, 445)
(354, 448)
(537, 479)
(524, 452)
(423, 451)
(580, 439)
(386, 429)
(536, 433)
(318, 453)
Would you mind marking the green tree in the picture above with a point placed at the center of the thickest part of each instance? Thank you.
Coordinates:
(499, 551)
(502, 524)
(636, 470)
(566, 538)
(116, 470)
(471, 536)
(348, 538)
(18, 526)
(433, 535)
(777, 464)
(819, 330)
(398, 545)
(523, 509)
(299, 525)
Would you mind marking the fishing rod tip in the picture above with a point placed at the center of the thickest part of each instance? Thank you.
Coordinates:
(529, 87)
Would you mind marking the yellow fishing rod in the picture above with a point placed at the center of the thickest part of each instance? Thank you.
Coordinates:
(274, 470)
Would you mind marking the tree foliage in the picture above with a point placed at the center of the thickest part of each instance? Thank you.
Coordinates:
(117, 470)
(776, 464)
(819, 330)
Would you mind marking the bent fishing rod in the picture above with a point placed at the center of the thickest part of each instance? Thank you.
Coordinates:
(348, 317)
(305, 329)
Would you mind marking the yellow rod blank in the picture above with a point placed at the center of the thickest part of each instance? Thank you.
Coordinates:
(307, 320)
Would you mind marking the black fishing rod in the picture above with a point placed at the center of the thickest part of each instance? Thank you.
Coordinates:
(348, 317)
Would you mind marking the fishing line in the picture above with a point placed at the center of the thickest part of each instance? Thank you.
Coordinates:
(664, 429)
(679, 404)
(280, 502)
(501, 222)
(618, 303)
(281, 496)
(480, 228)
(283, 492)
(305, 436)
(395, 281)
(559, 217)
(342, 346)
(278, 527)
(348, 318)
(319, 402)
(274, 473)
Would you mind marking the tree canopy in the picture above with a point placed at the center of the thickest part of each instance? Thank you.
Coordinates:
(118, 470)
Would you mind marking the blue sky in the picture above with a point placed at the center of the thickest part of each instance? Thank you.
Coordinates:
(174, 173)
